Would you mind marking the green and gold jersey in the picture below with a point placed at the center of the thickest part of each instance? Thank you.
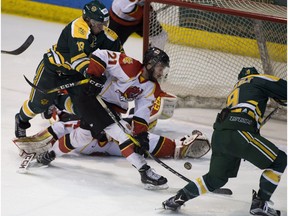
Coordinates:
(251, 93)
(71, 53)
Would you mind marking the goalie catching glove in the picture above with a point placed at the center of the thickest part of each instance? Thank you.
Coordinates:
(192, 146)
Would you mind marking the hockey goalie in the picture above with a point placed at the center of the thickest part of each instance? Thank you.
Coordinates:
(194, 145)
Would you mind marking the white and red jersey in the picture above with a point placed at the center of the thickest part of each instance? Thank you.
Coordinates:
(124, 84)
(127, 12)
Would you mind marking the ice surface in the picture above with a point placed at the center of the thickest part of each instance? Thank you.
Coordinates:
(80, 185)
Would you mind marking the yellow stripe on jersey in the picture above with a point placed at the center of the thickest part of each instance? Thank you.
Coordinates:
(110, 33)
(272, 176)
(39, 72)
(51, 59)
(27, 111)
(77, 57)
(82, 65)
(201, 185)
(69, 105)
(259, 145)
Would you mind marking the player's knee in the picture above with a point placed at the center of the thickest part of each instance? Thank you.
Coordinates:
(280, 162)
(38, 108)
(213, 182)
(80, 137)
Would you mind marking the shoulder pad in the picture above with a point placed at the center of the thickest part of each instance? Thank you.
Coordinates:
(80, 29)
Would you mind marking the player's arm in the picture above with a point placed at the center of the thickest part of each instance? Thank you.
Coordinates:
(274, 87)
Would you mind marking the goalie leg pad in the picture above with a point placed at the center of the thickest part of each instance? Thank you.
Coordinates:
(37, 143)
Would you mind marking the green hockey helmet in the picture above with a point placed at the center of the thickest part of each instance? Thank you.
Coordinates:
(246, 71)
(96, 10)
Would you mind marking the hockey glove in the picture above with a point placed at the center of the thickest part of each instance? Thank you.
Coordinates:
(143, 140)
(95, 85)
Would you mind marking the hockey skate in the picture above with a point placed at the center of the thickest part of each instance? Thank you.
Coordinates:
(151, 179)
(20, 127)
(46, 158)
(174, 203)
(260, 207)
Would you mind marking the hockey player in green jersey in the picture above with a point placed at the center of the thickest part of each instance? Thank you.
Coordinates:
(236, 136)
(67, 61)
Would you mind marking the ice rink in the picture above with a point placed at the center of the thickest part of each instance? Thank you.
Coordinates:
(80, 185)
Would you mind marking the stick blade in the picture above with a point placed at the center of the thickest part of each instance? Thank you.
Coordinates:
(22, 48)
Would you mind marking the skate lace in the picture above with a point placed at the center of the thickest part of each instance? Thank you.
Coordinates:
(152, 174)
(267, 209)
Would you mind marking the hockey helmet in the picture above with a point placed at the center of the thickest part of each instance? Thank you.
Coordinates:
(246, 71)
(96, 10)
(154, 55)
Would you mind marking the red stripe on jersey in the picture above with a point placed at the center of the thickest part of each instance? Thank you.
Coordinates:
(130, 66)
(123, 22)
(166, 148)
(127, 151)
(137, 13)
(63, 144)
(158, 90)
(95, 67)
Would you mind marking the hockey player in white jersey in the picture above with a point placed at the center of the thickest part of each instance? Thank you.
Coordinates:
(127, 80)
(194, 145)
(126, 18)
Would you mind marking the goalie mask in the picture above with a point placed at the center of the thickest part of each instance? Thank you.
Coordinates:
(246, 72)
(155, 57)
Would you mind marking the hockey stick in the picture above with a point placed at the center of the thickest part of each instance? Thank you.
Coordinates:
(62, 87)
(23, 168)
(103, 104)
(22, 48)
(273, 112)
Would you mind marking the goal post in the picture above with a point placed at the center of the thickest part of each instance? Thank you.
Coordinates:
(210, 41)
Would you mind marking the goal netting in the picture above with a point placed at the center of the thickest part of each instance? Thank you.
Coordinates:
(210, 41)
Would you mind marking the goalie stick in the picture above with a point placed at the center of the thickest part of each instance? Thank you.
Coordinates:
(22, 48)
(103, 104)
(23, 168)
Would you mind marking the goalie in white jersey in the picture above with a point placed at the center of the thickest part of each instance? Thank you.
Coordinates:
(194, 145)
(127, 80)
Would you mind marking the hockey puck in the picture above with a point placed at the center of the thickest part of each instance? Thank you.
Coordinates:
(187, 165)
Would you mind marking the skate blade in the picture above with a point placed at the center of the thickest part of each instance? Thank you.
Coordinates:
(155, 187)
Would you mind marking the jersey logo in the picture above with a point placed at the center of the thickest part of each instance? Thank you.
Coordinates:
(81, 31)
(127, 60)
(130, 94)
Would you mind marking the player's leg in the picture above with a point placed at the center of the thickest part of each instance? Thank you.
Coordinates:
(266, 156)
(38, 102)
(222, 167)
(122, 31)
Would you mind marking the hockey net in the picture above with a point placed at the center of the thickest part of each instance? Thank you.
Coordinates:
(210, 41)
